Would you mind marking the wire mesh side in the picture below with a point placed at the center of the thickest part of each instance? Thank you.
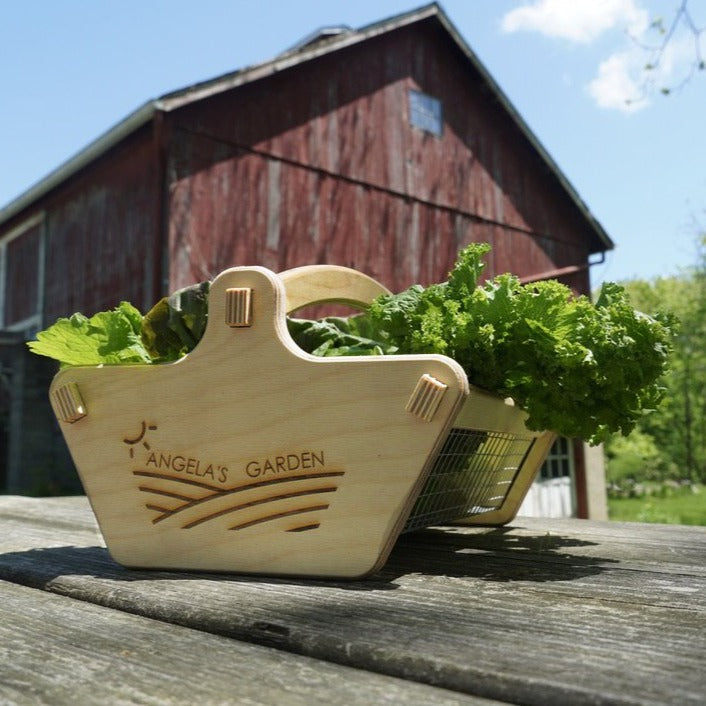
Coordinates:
(472, 474)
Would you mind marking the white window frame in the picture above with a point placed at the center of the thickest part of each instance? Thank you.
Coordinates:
(31, 324)
(560, 458)
(547, 495)
(556, 457)
(426, 112)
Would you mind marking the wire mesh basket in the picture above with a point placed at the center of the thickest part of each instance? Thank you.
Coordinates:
(471, 476)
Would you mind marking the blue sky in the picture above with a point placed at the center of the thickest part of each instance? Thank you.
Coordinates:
(71, 69)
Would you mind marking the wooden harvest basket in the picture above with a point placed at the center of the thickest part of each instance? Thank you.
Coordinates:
(250, 455)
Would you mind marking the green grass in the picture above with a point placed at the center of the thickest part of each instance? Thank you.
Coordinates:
(685, 506)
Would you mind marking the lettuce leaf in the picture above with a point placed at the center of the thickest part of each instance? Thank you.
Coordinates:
(109, 337)
(175, 324)
(336, 336)
(167, 332)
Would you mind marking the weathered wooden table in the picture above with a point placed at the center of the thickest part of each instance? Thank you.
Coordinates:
(543, 612)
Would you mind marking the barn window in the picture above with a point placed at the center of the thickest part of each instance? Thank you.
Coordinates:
(21, 265)
(425, 112)
(560, 460)
(553, 493)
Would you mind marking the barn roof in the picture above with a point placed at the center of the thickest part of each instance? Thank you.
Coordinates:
(322, 42)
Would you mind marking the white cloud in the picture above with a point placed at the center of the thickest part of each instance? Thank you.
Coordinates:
(576, 20)
(615, 86)
(622, 81)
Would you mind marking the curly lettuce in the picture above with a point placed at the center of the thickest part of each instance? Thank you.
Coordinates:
(580, 369)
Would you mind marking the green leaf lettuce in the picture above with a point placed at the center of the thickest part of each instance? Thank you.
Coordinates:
(109, 337)
(581, 369)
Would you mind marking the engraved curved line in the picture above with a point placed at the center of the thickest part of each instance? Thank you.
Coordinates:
(150, 506)
(304, 528)
(277, 516)
(138, 437)
(259, 501)
(219, 492)
(247, 486)
(187, 481)
(166, 493)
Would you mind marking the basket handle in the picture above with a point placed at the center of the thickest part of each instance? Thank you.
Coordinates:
(329, 284)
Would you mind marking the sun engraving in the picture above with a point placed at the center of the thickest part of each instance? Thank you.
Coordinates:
(131, 442)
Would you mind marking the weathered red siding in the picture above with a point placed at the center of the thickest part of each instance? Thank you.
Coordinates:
(319, 164)
(102, 235)
(21, 276)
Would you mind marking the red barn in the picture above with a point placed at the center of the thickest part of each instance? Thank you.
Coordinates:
(385, 149)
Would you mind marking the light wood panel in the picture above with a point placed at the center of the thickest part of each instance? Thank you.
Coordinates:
(250, 455)
(318, 284)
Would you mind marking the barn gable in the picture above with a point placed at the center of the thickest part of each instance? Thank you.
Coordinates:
(338, 128)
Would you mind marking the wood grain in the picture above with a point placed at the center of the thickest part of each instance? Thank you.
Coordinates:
(326, 284)
(543, 612)
(54, 651)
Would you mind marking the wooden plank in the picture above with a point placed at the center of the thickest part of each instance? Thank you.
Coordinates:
(675, 549)
(54, 651)
(550, 612)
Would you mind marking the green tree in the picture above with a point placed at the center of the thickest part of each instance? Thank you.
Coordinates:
(634, 458)
(678, 426)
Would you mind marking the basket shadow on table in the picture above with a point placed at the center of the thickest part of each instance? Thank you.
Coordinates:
(498, 554)
(494, 554)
